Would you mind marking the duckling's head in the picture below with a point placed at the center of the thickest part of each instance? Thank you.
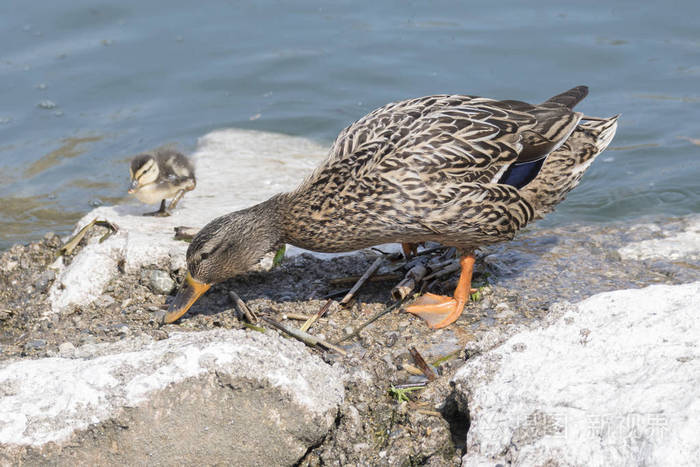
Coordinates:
(143, 170)
(226, 247)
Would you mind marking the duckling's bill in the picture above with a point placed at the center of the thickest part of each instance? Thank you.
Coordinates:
(189, 292)
(133, 186)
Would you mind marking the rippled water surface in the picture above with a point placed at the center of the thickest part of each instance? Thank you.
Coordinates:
(86, 85)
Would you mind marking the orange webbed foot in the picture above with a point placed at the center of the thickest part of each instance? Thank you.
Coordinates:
(440, 311)
(437, 310)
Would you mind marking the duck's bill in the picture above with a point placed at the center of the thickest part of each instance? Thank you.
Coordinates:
(133, 186)
(190, 290)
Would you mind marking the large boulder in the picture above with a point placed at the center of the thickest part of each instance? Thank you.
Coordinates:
(195, 398)
(614, 380)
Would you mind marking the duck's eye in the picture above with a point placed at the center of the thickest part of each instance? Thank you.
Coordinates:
(204, 256)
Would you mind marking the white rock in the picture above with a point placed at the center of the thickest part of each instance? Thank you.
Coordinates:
(88, 274)
(613, 381)
(270, 383)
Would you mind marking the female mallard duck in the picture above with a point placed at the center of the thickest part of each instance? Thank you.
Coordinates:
(460, 170)
(161, 175)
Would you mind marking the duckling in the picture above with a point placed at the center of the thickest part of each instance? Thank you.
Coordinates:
(461, 170)
(161, 175)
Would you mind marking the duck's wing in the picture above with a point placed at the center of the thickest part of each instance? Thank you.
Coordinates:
(445, 174)
(442, 136)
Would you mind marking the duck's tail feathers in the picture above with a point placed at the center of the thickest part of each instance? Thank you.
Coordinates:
(563, 169)
(569, 98)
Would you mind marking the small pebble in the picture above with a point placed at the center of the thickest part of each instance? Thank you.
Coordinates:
(35, 344)
(44, 280)
(52, 240)
(66, 349)
(159, 317)
(159, 281)
(106, 300)
(159, 334)
(122, 329)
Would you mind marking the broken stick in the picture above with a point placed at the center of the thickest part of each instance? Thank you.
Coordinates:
(374, 318)
(372, 269)
(305, 337)
(420, 363)
(309, 322)
(185, 233)
(242, 307)
(409, 282)
(70, 245)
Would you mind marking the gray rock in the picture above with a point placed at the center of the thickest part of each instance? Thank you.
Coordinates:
(35, 344)
(195, 398)
(159, 281)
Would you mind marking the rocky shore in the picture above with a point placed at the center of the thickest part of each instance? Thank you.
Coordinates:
(582, 348)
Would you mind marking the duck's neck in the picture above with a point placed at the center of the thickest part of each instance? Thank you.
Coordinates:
(266, 223)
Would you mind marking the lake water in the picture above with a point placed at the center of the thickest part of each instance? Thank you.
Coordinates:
(87, 84)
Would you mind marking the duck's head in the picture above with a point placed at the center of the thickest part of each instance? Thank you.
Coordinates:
(143, 170)
(226, 247)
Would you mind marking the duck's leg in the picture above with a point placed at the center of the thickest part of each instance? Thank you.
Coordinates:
(162, 212)
(178, 197)
(440, 311)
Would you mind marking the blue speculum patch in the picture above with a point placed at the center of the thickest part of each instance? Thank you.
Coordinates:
(519, 175)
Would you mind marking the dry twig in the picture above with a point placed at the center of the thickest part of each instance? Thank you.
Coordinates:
(453, 266)
(295, 316)
(374, 318)
(411, 369)
(185, 233)
(411, 385)
(242, 307)
(371, 270)
(305, 337)
(309, 322)
(70, 245)
(413, 277)
(418, 359)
